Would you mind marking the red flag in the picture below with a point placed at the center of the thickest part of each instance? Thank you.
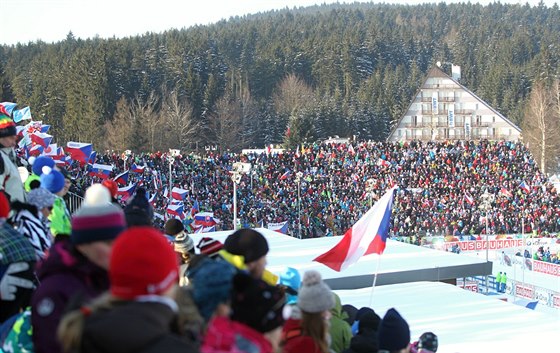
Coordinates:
(367, 236)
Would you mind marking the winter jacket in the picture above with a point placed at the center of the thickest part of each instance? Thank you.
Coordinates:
(340, 331)
(133, 326)
(31, 223)
(17, 277)
(68, 279)
(293, 340)
(60, 218)
(364, 342)
(10, 181)
(226, 336)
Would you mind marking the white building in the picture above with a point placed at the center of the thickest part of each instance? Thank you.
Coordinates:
(443, 109)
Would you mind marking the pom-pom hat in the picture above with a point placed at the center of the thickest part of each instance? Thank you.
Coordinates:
(98, 219)
(209, 247)
(142, 263)
(41, 162)
(315, 296)
(52, 179)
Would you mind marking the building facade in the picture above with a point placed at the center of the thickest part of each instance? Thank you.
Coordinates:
(443, 109)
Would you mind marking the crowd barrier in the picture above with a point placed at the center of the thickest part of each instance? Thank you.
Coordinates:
(73, 201)
(515, 288)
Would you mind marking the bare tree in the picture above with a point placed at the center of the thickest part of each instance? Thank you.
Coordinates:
(147, 117)
(181, 128)
(226, 123)
(541, 126)
(292, 95)
(124, 131)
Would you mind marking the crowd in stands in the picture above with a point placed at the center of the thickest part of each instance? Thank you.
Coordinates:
(442, 187)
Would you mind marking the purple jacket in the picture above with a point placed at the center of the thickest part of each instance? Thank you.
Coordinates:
(68, 279)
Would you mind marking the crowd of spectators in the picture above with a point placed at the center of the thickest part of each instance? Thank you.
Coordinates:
(441, 186)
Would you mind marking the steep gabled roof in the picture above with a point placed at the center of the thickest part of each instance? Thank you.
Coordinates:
(437, 72)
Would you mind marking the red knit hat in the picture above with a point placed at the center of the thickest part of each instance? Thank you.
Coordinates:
(142, 263)
(112, 186)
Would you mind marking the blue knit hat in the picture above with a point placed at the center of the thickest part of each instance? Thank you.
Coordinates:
(52, 179)
(212, 285)
(291, 278)
(41, 162)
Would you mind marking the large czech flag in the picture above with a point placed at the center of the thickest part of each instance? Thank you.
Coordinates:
(367, 236)
(79, 151)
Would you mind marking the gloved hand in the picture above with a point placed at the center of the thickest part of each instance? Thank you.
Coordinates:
(10, 282)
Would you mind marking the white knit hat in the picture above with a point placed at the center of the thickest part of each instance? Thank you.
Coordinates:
(314, 295)
(183, 243)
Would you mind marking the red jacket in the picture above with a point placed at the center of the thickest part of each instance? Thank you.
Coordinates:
(294, 341)
(226, 336)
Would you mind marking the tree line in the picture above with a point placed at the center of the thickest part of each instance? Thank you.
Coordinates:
(281, 76)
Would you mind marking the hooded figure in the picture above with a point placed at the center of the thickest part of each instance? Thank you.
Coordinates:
(340, 331)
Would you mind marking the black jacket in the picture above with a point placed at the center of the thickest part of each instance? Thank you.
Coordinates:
(143, 327)
(364, 342)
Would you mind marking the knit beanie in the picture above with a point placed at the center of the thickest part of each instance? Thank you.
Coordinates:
(139, 211)
(4, 205)
(41, 162)
(314, 296)
(112, 186)
(52, 179)
(40, 198)
(393, 333)
(257, 304)
(98, 219)
(183, 243)
(369, 320)
(142, 263)
(248, 243)
(291, 279)
(211, 284)
(7, 126)
(209, 247)
(173, 227)
(428, 341)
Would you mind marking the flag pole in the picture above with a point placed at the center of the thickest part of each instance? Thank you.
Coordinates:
(374, 280)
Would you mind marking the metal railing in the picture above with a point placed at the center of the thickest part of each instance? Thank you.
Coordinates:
(73, 201)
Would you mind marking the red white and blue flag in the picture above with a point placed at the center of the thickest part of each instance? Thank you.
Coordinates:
(127, 191)
(383, 163)
(176, 210)
(40, 138)
(51, 150)
(525, 187)
(92, 158)
(79, 151)
(205, 219)
(137, 168)
(281, 227)
(122, 179)
(286, 175)
(367, 236)
(178, 193)
(101, 170)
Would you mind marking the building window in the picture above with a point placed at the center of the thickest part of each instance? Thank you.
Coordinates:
(493, 119)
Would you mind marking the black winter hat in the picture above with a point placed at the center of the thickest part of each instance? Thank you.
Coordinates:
(248, 243)
(256, 303)
(173, 227)
(369, 320)
(393, 333)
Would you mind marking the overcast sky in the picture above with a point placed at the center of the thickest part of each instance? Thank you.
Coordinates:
(51, 20)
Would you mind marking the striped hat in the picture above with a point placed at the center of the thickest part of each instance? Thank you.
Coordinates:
(209, 246)
(7, 126)
(98, 219)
